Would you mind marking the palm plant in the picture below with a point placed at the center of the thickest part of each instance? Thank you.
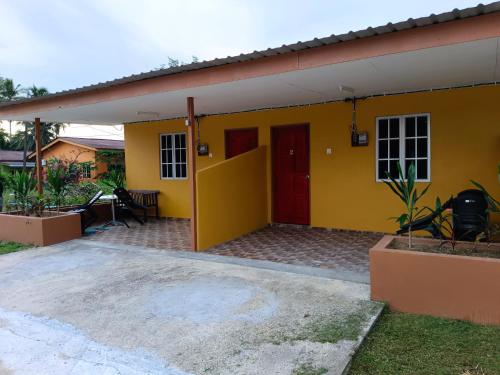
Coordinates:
(406, 190)
(9, 91)
(23, 186)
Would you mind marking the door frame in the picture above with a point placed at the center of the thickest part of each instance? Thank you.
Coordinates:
(273, 183)
(229, 130)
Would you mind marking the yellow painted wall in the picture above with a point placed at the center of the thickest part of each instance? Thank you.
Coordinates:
(66, 151)
(232, 198)
(465, 144)
(142, 164)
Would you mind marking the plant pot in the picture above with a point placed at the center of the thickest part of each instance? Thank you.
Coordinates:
(40, 231)
(445, 285)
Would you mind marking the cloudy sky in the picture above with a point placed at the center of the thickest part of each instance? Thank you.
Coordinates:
(63, 44)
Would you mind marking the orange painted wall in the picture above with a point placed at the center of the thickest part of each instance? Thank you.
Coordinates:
(66, 151)
(465, 144)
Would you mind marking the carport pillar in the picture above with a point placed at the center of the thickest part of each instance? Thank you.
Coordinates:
(38, 146)
(192, 171)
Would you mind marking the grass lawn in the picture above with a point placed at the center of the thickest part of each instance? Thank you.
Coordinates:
(11, 247)
(413, 344)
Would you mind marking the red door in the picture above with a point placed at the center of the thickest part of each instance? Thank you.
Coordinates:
(290, 153)
(239, 141)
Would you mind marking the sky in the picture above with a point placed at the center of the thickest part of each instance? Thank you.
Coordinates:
(64, 44)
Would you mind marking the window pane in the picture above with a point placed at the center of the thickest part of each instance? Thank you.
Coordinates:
(177, 156)
(394, 148)
(183, 171)
(410, 126)
(183, 141)
(422, 126)
(410, 148)
(422, 169)
(169, 156)
(393, 166)
(383, 130)
(164, 156)
(383, 149)
(394, 128)
(422, 147)
(163, 142)
(164, 173)
(169, 171)
(382, 169)
(178, 170)
(169, 141)
(183, 156)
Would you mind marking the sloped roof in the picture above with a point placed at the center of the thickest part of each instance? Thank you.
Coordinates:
(10, 156)
(410, 23)
(99, 144)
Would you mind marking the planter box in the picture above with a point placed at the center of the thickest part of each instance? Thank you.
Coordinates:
(40, 231)
(452, 286)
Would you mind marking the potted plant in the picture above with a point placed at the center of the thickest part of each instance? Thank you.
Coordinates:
(28, 222)
(443, 276)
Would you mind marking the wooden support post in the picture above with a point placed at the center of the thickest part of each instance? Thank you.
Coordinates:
(192, 171)
(38, 145)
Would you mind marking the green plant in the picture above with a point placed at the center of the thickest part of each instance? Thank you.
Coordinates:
(57, 182)
(114, 178)
(23, 186)
(80, 192)
(492, 229)
(443, 223)
(406, 190)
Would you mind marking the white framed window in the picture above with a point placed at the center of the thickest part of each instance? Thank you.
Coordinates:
(85, 170)
(173, 161)
(404, 139)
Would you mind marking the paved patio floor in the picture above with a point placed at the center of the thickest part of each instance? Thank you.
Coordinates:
(345, 251)
(84, 307)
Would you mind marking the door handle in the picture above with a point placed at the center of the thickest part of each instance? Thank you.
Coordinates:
(308, 177)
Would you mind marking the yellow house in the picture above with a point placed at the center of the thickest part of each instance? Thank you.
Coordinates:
(305, 133)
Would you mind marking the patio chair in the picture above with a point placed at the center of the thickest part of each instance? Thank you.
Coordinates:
(87, 213)
(126, 205)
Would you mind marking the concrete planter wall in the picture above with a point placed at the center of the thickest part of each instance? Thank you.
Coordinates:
(40, 231)
(452, 286)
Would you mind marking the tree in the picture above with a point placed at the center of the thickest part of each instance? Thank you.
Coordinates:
(174, 63)
(9, 91)
(4, 140)
(49, 130)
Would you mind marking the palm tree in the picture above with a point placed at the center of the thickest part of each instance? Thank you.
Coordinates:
(9, 91)
(50, 130)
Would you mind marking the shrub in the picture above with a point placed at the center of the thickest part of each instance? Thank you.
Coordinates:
(406, 190)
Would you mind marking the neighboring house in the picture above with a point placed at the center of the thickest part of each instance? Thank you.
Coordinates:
(279, 125)
(14, 160)
(97, 156)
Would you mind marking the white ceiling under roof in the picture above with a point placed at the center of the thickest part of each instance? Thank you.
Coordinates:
(449, 66)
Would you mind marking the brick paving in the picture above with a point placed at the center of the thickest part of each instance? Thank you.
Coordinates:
(316, 247)
(168, 234)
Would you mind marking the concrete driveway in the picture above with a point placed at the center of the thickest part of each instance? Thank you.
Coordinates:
(87, 308)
